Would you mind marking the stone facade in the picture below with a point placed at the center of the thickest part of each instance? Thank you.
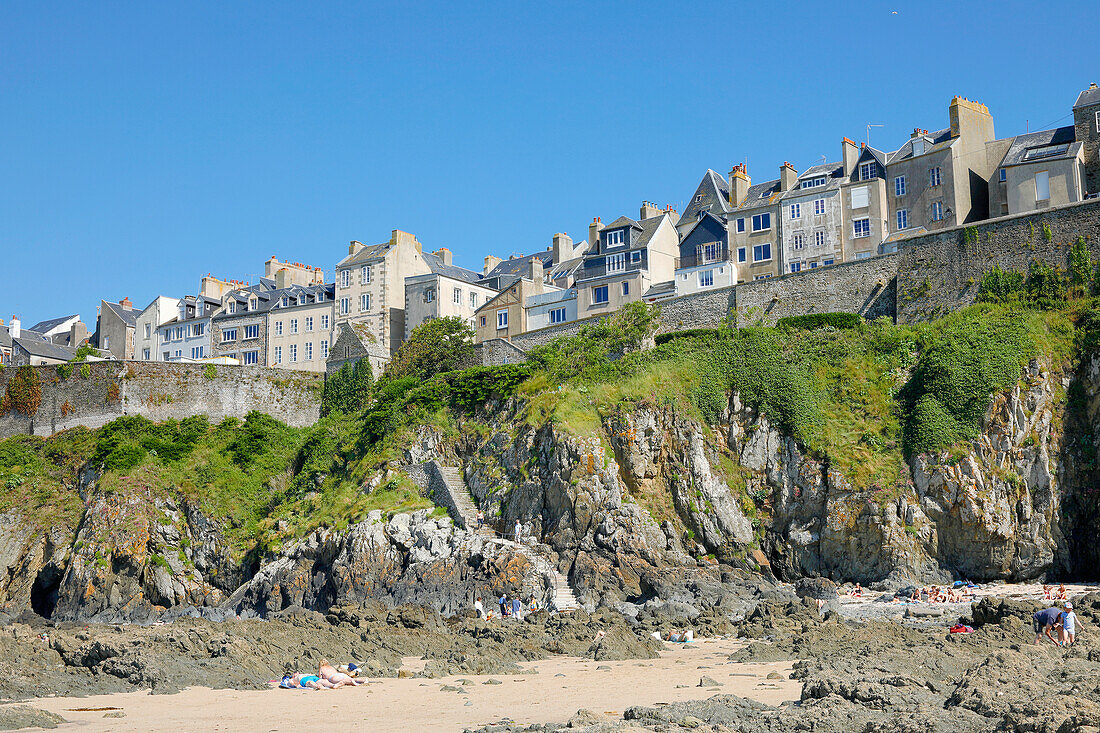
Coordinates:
(95, 393)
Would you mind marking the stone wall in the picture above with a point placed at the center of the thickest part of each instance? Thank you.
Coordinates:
(496, 352)
(709, 309)
(428, 477)
(940, 272)
(93, 394)
(865, 287)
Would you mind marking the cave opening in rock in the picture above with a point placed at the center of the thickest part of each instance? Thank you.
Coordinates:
(44, 591)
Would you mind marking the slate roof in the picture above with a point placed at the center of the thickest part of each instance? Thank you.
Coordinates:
(519, 266)
(646, 228)
(667, 287)
(367, 254)
(712, 195)
(435, 262)
(126, 315)
(271, 299)
(933, 141)
(903, 234)
(1088, 97)
(834, 176)
(45, 326)
(45, 349)
(1021, 144)
(760, 194)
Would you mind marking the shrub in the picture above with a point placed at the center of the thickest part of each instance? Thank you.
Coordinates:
(23, 393)
(64, 371)
(85, 371)
(471, 388)
(347, 390)
(1001, 286)
(590, 353)
(1080, 266)
(210, 371)
(810, 321)
(435, 346)
(689, 333)
(1045, 285)
(252, 440)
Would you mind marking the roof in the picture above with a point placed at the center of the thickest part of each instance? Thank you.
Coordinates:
(712, 195)
(933, 141)
(45, 326)
(519, 266)
(269, 300)
(903, 234)
(877, 154)
(45, 349)
(661, 288)
(367, 254)
(702, 217)
(834, 176)
(760, 194)
(621, 222)
(126, 315)
(1042, 145)
(1088, 97)
(435, 262)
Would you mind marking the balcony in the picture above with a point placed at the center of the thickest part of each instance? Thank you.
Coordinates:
(599, 266)
(704, 256)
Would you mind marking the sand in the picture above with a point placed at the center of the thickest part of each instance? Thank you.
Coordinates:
(415, 704)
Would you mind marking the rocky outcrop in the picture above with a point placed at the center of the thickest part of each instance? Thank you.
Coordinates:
(31, 565)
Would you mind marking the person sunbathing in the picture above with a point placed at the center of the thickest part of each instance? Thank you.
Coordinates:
(305, 681)
(335, 677)
(1062, 595)
(1046, 592)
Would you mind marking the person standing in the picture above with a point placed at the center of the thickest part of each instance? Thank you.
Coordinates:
(1043, 621)
(1068, 633)
(503, 602)
(518, 530)
(479, 609)
(480, 519)
(517, 608)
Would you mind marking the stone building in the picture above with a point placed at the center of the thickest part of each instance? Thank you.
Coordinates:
(370, 285)
(504, 315)
(186, 337)
(448, 290)
(1086, 124)
(115, 326)
(160, 311)
(754, 223)
(939, 179)
(1038, 170)
(354, 341)
(628, 258)
(705, 260)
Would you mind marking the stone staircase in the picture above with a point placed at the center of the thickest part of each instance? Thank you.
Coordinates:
(560, 596)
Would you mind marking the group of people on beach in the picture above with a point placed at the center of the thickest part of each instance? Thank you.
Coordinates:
(936, 594)
(1060, 595)
(510, 607)
(1063, 619)
(328, 677)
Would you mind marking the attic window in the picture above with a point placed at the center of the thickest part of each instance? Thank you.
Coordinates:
(812, 182)
(1047, 151)
(765, 193)
(918, 147)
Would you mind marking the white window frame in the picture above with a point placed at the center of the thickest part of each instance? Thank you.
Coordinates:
(902, 219)
(1043, 176)
(309, 351)
(616, 238)
(457, 297)
(324, 348)
(899, 186)
(429, 295)
(796, 211)
(250, 358)
(345, 279)
(293, 326)
(473, 299)
(796, 267)
(278, 328)
(278, 354)
(596, 294)
(309, 324)
(819, 207)
(742, 254)
(364, 302)
(251, 331)
(345, 306)
(293, 353)
(934, 177)
(798, 241)
(868, 171)
(859, 232)
(615, 262)
(826, 263)
(502, 319)
(759, 219)
(712, 251)
(324, 322)
(557, 315)
(706, 278)
(759, 248)
(937, 211)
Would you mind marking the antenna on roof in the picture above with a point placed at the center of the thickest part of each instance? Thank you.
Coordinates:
(869, 126)
(824, 159)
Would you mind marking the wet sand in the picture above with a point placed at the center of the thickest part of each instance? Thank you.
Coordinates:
(560, 687)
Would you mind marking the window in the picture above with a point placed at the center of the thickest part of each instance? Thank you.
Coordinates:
(741, 225)
(429, 295)
(473, 300)
(106, 342)
(483, 320)
(712, 252)
(827, 262)
(903, 219)
(798, 241)
(706, 278)
(309, 351)
(197, 329)
(868, 170)
(1098, 121)
(742, 254)
(813, 265)
(616, 263)
(294, 325)
(320, 296)
(502, 319)
(148, 330)
(179, 333)
(812, 182)
(232, 307)
(1002, 175)
(819, 207)
(278, 354)
(364, 302)
(278, 328)
(364, 274)
(861, 228)
(626, 288)
(934, 176)
(762, 277)
(761, 252)
(179, 353)
(251, 358)
(861, 197)
(796, 267)
(167, 355)
(252, 332)
(1042, 185)
(145, 354)
(760, 222)
(324, 323)
(293, 353)
(345, 306)
(345, 279)
(229, 334)
(309, 324)
(324, 348)
(918, 147)
(301, 300)
(899, 186)
(615, 238)
(599, 295)
(285, 302)
(937, 211)
(796, 211)
(636, 256)
(251, 304)
(557, 315)
(457, 296)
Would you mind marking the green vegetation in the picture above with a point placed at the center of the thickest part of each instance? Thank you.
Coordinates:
(23, 392)
(435, 346)
(348, 390)
(811, 321)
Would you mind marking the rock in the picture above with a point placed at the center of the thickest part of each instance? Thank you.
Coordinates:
(14, 717)
(491, 681)
(690, 721)
(584, 718)
(709, 682)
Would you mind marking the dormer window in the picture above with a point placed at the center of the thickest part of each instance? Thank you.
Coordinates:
(813, 182)
(868, 170)
(251, 304)
(616, 238)
(286, 301)
(320, 296)
(918, 147)
(301, 300)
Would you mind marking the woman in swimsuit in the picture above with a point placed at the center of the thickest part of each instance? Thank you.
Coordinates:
(335, 677)
(306, 681)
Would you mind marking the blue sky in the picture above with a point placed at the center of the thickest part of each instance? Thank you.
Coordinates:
(145, 144)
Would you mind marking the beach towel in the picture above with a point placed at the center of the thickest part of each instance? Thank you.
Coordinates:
(961, 629)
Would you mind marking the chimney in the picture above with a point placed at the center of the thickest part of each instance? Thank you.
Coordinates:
(562, 248)
(648, 210)
(673, 214)
(970, 118)
(399, 238)
(739, 184)
(77, 333)
(282, 278)
(536, 270)
(125, 303)
(444, 254)
(594, 231)
(355, 247)
(14, 330)
(849, 153)
(490, 263)
(788, 176)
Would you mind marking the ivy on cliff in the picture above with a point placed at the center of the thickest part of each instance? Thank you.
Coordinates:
(23, 392)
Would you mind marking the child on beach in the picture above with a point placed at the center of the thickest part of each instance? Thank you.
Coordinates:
(1068, 632)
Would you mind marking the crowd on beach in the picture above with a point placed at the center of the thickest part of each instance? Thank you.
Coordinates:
(509, 607)
(959, 593)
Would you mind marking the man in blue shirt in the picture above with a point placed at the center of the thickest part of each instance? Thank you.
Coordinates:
(1045, 620)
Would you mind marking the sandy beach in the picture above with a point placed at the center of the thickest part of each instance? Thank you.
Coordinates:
(551, 690)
